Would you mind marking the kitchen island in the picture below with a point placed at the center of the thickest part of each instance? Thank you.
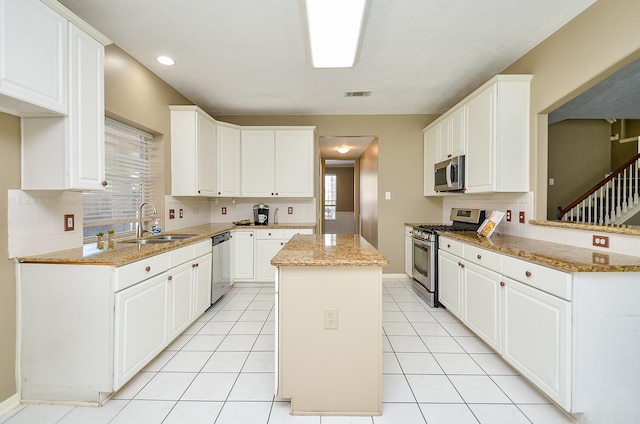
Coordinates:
(329, 325)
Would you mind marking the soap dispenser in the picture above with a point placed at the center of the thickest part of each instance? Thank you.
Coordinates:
(155, 229)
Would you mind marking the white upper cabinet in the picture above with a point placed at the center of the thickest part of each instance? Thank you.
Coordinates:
(491, 128)
(278, 162)
(193, 152)
(67, 152)
(228, 162)
(258, 163)
(498, 136)
(33, 54)
(452, 137)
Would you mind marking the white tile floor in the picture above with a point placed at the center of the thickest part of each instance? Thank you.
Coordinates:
(221, 371)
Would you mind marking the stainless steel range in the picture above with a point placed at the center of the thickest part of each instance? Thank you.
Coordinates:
(425, 250)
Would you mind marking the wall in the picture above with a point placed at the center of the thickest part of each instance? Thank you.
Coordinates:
(344, 187)
(136, 96)
(369, 184)
(622, 152)
(573, 59)
(9, 179)
(579, 156)
(400, 168)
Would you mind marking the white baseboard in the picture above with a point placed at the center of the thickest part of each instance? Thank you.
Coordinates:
(9, 404)
(396, 275)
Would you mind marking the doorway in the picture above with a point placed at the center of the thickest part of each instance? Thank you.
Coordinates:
(347, 175)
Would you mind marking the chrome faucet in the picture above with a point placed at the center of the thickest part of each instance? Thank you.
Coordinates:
(140, 230)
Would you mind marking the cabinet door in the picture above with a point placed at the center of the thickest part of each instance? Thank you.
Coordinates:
(458, 131)
(206, 156)
(408, 255)
(258, 163)
(201, 285)
(443, 151)
(294, 163)
(33, 54)
(140, 326)
(537, 338)
(265, 251)
(480, 158)
(483, 304)
(86, 111)
(242, 255)
(228, 161)
(180, 311)
(450, 282)
(430, 147)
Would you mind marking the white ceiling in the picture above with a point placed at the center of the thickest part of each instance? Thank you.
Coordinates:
(251, 56)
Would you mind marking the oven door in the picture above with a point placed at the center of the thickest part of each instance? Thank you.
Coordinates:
(423, 263)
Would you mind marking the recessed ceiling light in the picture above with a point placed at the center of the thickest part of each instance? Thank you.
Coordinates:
(343, 149)
(334, 31)
(166, 60)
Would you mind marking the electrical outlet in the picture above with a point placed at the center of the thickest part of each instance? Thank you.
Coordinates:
(290, 210)
(600, 241)
(600, 258)
(521, 217)
(330, 318)
(224, 210)
(69, 222)
(181, 214)
(508, 215)
(172, 213)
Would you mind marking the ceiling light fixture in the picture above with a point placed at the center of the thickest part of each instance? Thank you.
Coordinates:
(166, 60)
(343, 149)
(334, 31)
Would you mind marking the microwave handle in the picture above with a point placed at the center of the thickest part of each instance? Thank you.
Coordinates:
(449, 170)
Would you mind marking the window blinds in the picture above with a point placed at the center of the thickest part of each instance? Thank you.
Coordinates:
(128, 176)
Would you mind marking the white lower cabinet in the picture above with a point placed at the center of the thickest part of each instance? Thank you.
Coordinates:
(268, 244)
(450, 282)
(140, 327)
(408, 250)
(537, 338)
(482, 304)
(103, 324)
(242, 256)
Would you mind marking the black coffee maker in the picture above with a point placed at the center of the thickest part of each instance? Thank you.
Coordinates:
(261, 214)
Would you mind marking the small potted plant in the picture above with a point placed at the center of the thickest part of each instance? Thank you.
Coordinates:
(100, 237)
(111, 233)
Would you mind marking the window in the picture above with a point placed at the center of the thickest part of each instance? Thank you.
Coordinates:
(128, 172)
(330, 196)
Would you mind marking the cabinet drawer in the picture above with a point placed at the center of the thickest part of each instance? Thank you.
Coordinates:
(288, 233)
(268, 234)
(130, 274)
(180, 255)
(451, 246)
(483, 257)
(201, 248)
(549, 280)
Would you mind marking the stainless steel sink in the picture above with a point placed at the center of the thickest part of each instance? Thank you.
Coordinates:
(168, 238)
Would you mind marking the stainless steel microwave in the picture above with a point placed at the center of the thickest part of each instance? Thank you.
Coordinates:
(449, 174)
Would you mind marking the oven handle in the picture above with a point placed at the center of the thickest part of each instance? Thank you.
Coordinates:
(420, 242)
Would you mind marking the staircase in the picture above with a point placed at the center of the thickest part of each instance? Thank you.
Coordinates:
(612, 201)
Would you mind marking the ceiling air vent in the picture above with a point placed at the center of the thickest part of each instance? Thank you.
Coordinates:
(357, 93)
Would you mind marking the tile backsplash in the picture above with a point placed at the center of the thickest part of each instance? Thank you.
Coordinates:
(516, 202)
(303, 210)
(36, 221)
(195, 211)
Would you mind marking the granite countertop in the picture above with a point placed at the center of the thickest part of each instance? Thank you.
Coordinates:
(616, 229)
(329, 250)
(554, 255)
(124, 253)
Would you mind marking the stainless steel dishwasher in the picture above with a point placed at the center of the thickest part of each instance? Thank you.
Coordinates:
(221, 265)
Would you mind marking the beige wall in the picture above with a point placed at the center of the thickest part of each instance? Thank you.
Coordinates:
(136, 96)
(9, 179)
(598, 42)
(622, 152)
(400, 168)
(579, 152)
(369, 183)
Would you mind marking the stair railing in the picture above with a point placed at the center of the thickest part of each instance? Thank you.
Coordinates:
(607, 200)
